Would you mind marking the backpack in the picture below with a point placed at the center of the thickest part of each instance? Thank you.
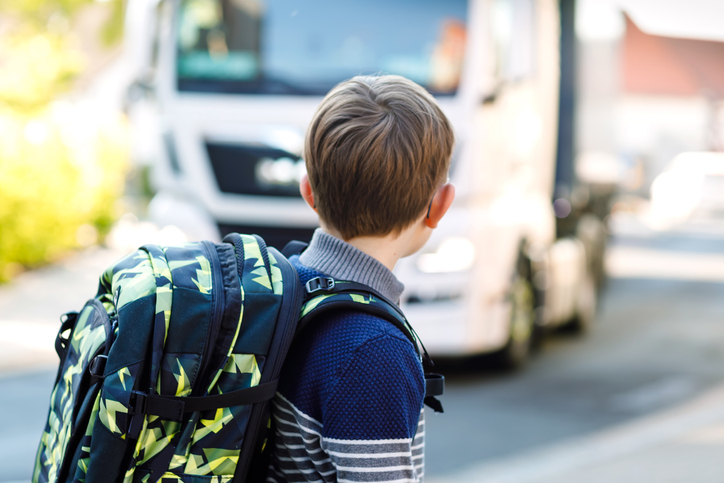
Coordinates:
(168, 373)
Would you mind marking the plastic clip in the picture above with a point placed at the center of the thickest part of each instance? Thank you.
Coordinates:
(319, 283)
(97, 366)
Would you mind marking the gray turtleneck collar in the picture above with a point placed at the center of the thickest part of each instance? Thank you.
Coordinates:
(340, 260)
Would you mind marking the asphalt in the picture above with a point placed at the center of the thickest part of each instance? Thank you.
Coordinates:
(680, 444)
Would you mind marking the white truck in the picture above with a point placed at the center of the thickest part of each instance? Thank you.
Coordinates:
(224, 90)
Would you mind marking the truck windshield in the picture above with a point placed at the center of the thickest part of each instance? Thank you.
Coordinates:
(306, 47)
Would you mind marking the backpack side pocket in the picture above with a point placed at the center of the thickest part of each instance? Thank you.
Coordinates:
(73, 393)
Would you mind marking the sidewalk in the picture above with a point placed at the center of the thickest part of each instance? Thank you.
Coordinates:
(30, 307)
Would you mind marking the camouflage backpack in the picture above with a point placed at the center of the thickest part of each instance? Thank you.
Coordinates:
(168, 372)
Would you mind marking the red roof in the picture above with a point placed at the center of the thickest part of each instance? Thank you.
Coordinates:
(671, 66)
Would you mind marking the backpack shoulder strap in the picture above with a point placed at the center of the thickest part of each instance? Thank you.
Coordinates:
(360, 301)
(294, 247)
(335, 295)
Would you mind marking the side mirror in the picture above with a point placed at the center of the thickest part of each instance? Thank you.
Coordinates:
(489, 98)
(137, 90)
(492, 96)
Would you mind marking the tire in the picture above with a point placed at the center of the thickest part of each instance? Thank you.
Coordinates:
(522, 327)
(586, 307)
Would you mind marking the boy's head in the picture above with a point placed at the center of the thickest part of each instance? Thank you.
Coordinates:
(376, 151)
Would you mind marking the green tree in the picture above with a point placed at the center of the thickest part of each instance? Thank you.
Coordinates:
(61, 170)
(38, 56)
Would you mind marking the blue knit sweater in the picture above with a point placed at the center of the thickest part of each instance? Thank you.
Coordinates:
(349, 404)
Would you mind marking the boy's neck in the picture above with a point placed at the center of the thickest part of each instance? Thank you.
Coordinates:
(386, 249)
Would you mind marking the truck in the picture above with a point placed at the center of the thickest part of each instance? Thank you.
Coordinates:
(223, 91)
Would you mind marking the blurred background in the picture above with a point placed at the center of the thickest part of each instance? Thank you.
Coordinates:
(573, 297)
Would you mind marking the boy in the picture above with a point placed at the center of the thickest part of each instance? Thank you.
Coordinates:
(349, 404)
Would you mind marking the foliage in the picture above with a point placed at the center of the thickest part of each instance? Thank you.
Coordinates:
(42, 8)
(62, 166)
(39, 55)
(113, 30)
(36, 68)
(51, 14)
(60, 178)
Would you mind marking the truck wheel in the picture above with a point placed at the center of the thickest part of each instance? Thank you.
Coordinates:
(516, 352)
(586, 306)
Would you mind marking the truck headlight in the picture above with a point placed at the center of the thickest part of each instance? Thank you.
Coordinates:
(452, 255)
(280, 172)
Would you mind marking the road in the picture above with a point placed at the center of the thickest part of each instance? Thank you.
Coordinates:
(658, 343)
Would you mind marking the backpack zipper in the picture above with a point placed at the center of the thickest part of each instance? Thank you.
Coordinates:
(217, 303)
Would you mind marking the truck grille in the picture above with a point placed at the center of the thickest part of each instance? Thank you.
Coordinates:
(255, 169)
(274, 236)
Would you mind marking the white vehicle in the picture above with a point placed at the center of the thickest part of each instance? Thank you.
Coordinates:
(692, 184)
(225, 89)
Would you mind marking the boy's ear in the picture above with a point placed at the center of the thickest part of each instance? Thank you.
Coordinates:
(306, 190)
(440, 204)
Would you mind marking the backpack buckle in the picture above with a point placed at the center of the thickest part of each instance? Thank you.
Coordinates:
(97, 367)
(319, 283)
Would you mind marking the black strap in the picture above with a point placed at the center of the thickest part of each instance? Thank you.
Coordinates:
(434, 404)
(344, 286)
(67, 321)
(62, 343)
(173, 408)
(236, 240)
(294, 247)
(434, 384)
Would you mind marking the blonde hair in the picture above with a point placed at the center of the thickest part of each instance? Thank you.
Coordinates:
(377, 149)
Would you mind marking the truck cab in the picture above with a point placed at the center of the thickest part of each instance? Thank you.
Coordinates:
(223, 93)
